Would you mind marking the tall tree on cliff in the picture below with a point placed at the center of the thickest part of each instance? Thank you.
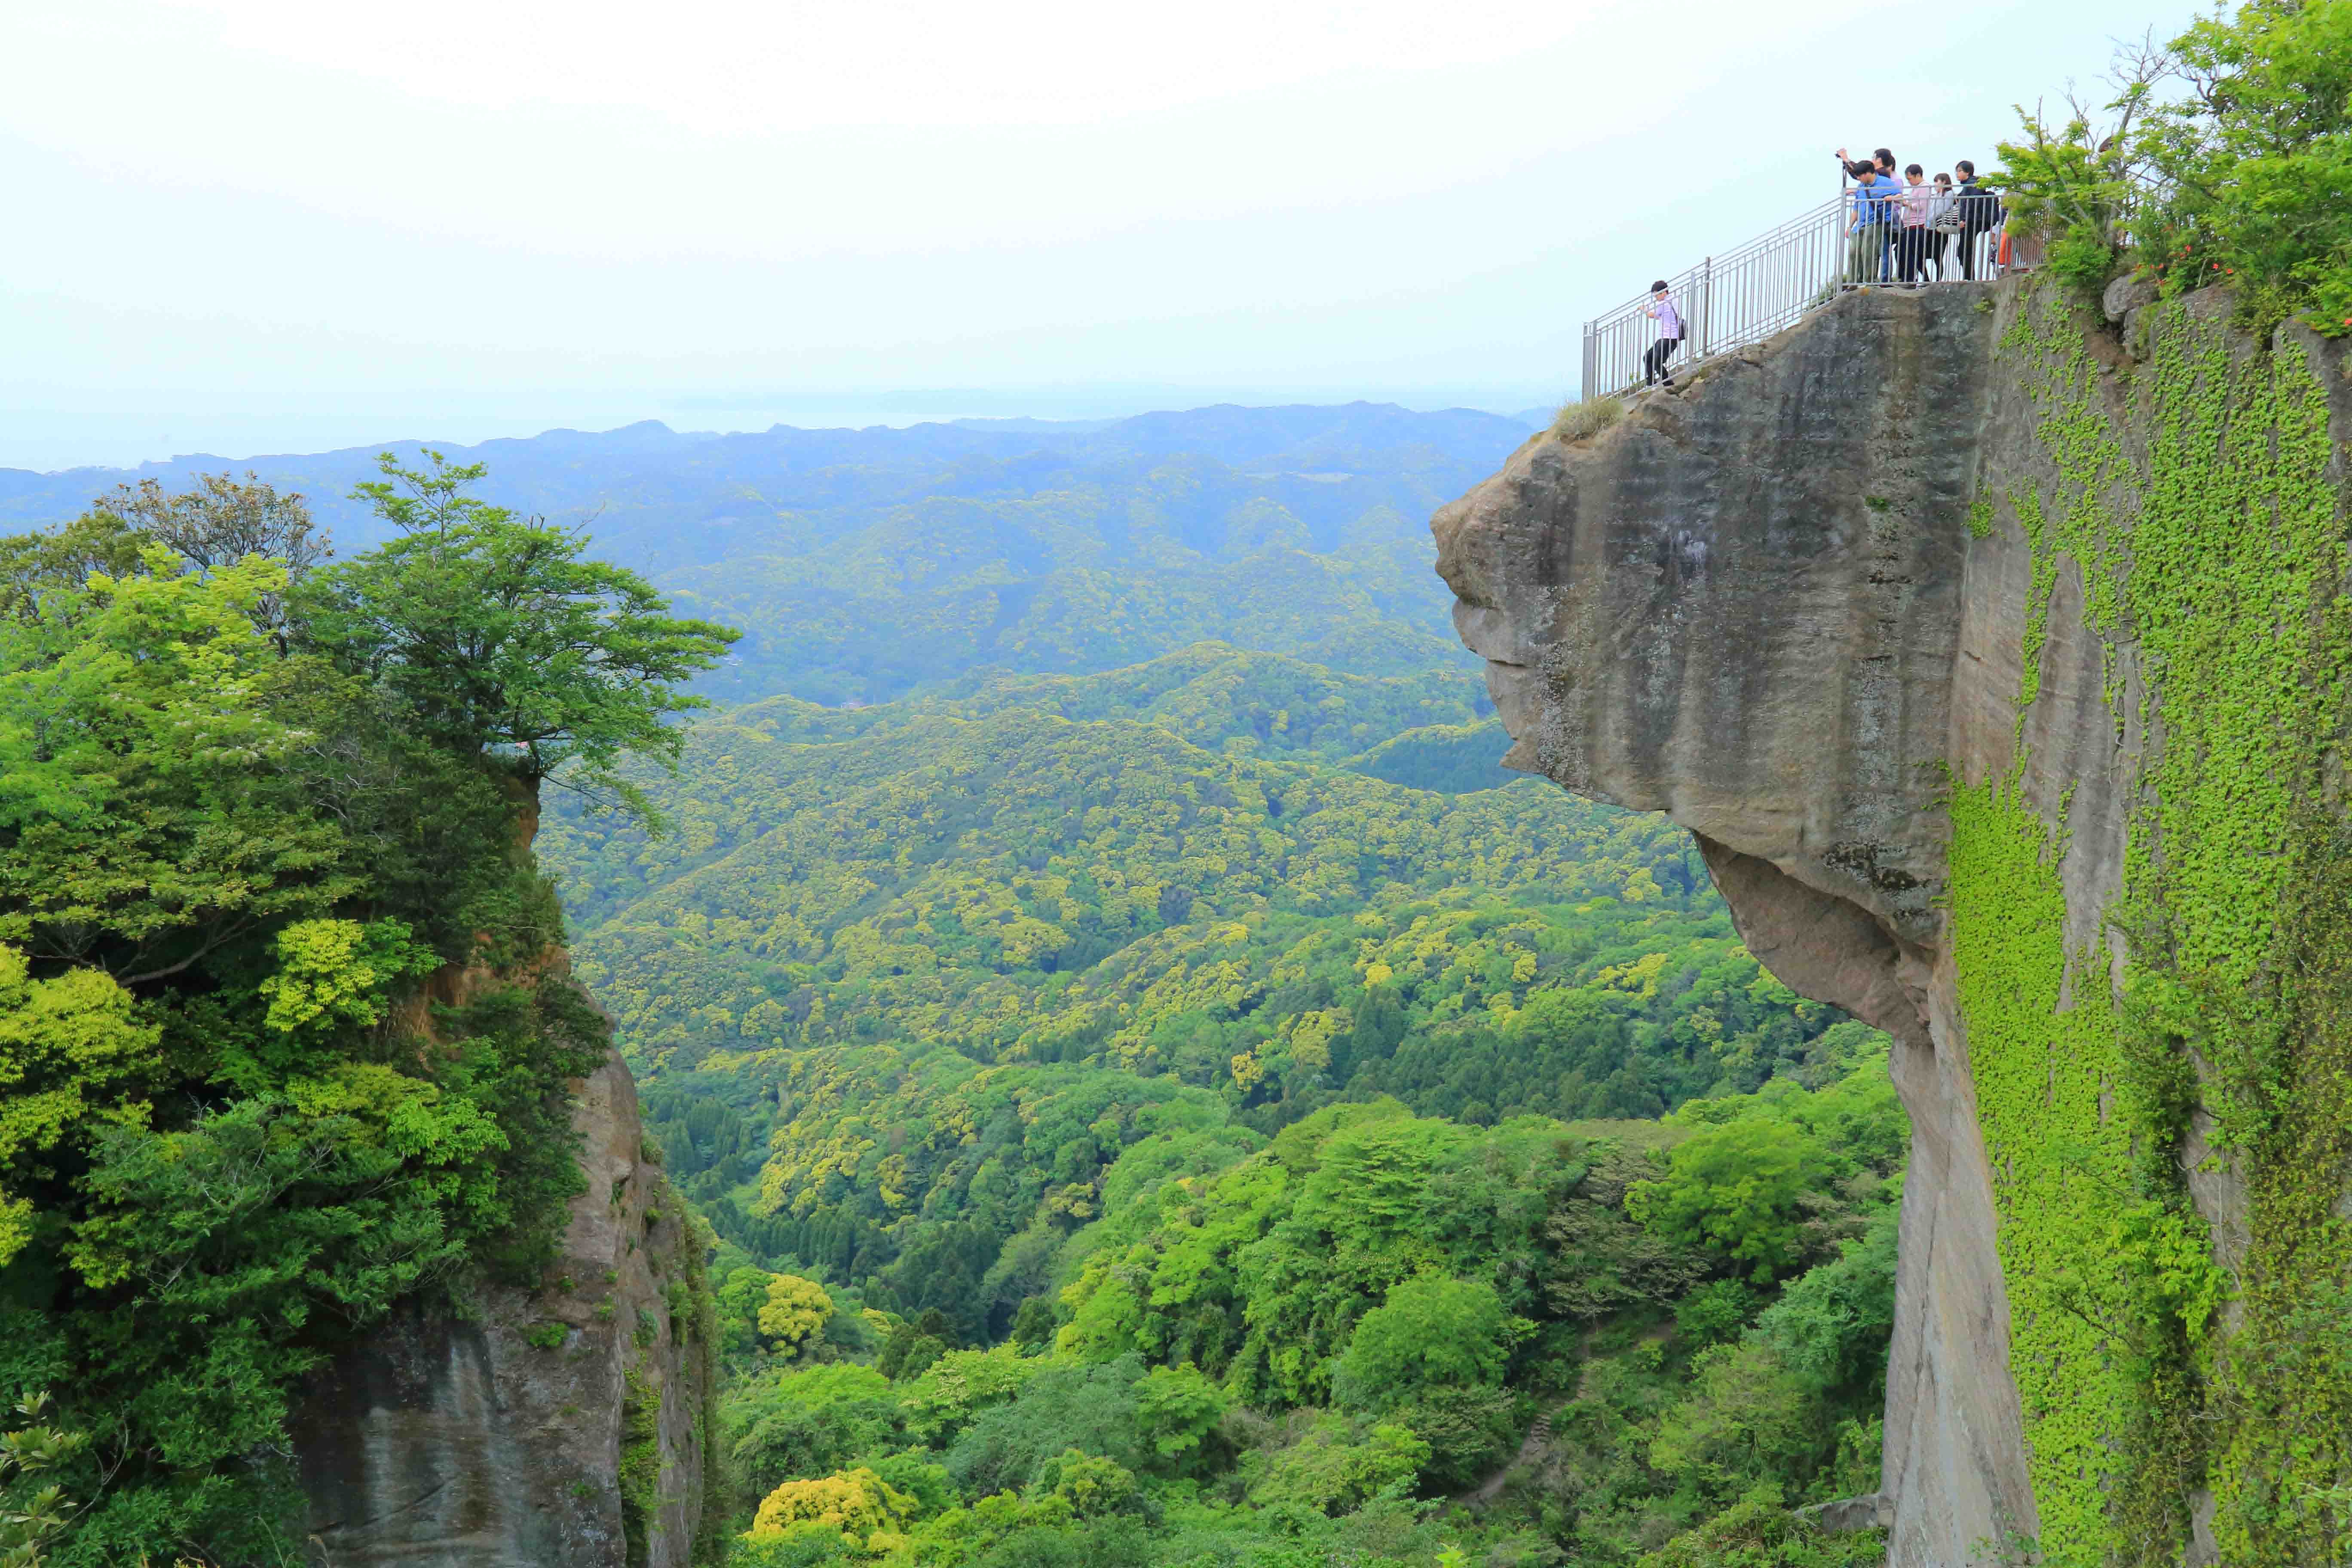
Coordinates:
(248, 801)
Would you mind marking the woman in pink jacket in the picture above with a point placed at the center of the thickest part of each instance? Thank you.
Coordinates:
(1662, 309)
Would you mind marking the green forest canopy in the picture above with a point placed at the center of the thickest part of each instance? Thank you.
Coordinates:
(984, 1018)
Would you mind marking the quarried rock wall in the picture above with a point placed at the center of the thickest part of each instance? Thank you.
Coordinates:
(1888, 611)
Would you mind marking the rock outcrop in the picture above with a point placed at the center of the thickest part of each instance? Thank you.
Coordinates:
(566, 1425)
(1874, 610)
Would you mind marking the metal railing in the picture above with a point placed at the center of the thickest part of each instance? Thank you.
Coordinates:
(1772, 281)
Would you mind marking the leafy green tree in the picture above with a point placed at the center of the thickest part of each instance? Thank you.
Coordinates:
(153, 804)
(1746, 1417)
(1715, 1312)
(1090, 1486)
(337, 973)
(1091, 1408)
(1431, 1333)
(794, 1311)
(857, 1502)
(1739, 1189)
(1177, 1411)
(739, 1298)
(1337, 1465)
(910, 1349)
(960, 1384)
(74, 1057)
(502, 639)
(44, 575)
(2077, 185)
(1832, 1324)
(2256, 159)
(36, 1509)
(218, 521)
(1034, 1324)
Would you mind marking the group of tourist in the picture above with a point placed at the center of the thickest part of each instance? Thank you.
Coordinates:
(1902, 223)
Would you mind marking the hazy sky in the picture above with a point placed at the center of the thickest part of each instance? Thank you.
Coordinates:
(246, 226)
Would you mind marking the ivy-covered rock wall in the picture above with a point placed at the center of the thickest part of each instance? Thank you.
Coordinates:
(1999, 656)
(2159, 1045)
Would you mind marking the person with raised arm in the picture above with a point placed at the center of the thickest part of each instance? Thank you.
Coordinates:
(1868, 231)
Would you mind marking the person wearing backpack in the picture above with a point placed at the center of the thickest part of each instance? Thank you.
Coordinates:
(1662, 309)
(1980, 215)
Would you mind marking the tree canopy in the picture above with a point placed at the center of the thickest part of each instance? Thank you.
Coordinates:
(2224, 157)
(500, 636)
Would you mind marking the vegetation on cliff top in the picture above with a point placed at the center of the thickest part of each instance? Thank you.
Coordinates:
(251, 801)
(2229, 159)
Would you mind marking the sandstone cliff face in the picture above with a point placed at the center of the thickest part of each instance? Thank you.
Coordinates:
(560, 1426)
(1855, 575)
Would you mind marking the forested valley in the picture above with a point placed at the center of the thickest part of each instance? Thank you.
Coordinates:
(1170, 1101)
(1206, 1112)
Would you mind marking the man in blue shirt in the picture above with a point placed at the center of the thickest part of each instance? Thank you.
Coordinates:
(1870, 232)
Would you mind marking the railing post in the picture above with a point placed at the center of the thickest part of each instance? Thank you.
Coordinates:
(1706, 306)
(1591, 356)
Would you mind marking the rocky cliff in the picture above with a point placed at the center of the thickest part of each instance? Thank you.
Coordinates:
(568, 1425)
(1995, 647)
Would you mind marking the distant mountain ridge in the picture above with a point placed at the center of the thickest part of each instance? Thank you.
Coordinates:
(544, 472)
(867, 564)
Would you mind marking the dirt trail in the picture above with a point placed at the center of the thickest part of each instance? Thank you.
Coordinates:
(1539, 1437)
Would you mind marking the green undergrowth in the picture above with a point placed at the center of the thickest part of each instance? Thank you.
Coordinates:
(2061, 1164)
(641, 1466)
(2144, 1373)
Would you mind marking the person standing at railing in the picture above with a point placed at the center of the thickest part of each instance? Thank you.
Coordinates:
(1943, 222)
(1868, 234)
(1911, 246)
(1667, 312)
(1980, 213)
